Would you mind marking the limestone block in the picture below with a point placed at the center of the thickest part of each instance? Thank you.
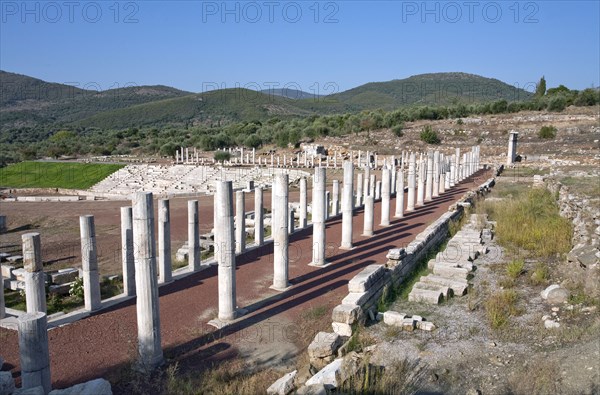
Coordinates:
(342, 329)
(284, 385)
(347, 314)
(393, 318)
(425, 326)
(451, 272)
(425, 295)
(324, 344)
(365, 278)
(445, 290)
(408, 324)
(7, 383)
(93, 387)
(459, 287)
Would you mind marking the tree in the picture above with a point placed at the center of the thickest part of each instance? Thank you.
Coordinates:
(222, 156)
(540, 89)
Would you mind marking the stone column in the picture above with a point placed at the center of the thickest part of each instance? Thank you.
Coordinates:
(280, 232)
(327, 205)
(318, 217)
(35, 287)
(347, 206)
(393, 184)
(386, 191)
(34, 352)
(127, 251)
(193, 237)
(165, 268)
(400, 194)
(410, 205)
(429, 177)
(436, 174)
(240, 222)
(452, 171)
(373, 185)
(421, 182)
(89, 260)
(259, 231)
(366, 185)
(369, 216)
(512, 148)
(146, 284)
(335, 209)
(442, 176)
(457, 166)
(377, 190)
(359, 190)
(292, 221)
(303, 204)
(226, 251)
(2, 306)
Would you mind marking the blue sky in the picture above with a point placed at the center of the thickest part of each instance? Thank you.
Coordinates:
(314, 46)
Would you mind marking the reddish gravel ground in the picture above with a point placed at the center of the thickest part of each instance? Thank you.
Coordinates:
(105, 343)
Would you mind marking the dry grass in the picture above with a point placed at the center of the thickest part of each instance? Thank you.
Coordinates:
(531, 222)
(539, 377)
(500, 306)
(540, 274)
(515, 268)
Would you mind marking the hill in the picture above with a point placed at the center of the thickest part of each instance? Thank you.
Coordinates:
(30, 102)
(428, 89)
(290, 93)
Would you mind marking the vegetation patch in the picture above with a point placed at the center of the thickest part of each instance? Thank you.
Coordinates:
(500, 306)
(531, 221)
(55, 174)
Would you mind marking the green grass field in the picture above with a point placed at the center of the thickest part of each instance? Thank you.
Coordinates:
(55, 175)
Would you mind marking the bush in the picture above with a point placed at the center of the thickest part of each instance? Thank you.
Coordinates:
(398, 130)
(429, 136)
(222, 156)
(76, 289)
(547, 132)
(557, 104)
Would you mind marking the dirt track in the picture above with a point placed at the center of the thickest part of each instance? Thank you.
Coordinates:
(106, 342)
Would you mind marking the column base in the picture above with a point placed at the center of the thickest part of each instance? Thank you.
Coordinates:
(220, 324)
(317, 265)
(280, 289)
(346, 248)
(367, 234)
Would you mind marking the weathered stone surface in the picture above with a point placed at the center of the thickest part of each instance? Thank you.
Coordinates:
(39, 390)
(393, 318)
(444, 289)
(328, 376)
(425, 325)
(408, 324)
(345, 313)
(545, 292)
(551, 324)
(342, 329)
(284, 385)
(93, 387)
(7, 383)
(396, 254)
(459, 287)
(425, 295)
(585, 256)
(324, 345)
(366, 278)
(451, 272)
(557, 296)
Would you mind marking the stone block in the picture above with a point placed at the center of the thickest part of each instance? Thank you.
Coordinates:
(408, 324)
(342, 329)
(7, 383)
(93, 387)
(425, 325)
(284, 385)
(365, 279)
(425, 295)
(393, 318)
(324, 344)
(451, 272)
(347, 314)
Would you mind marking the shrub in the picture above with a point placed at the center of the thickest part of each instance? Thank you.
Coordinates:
(547, 132)
(429, 136)
(398, 130)
(557, 104)
(222, 156)
(515, 268)
(500, 307)
(76, 289)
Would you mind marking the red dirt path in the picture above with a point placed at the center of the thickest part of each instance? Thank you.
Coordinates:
(106, 342)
